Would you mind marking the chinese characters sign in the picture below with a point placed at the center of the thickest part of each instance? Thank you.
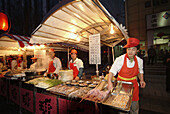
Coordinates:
(45, 104)
(94, 49)
(26, 97)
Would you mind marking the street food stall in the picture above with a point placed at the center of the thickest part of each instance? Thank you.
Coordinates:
(70, 23)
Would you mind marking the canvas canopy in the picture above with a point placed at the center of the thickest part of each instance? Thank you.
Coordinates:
(71, 22)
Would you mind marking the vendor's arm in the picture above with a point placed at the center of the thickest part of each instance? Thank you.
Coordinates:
(58, 65)
(140, 75)
(80, 67)
(142, 82)
(110, 85)
(117, 65)
(80, 72)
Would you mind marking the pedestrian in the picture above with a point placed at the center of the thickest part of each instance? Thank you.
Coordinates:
(151, 55)
(129, 67)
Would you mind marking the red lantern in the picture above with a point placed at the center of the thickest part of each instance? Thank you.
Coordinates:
(3, 22)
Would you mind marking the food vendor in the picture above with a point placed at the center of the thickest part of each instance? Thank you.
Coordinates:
(20, 61)
(54, 65)
(129, 67)
(13, 63)
(34, 65)
(76, 65)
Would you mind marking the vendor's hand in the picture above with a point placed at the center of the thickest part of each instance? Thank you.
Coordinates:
(77, 78)
(142, 84)
(110, 86)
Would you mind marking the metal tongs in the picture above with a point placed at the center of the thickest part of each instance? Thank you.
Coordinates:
(114, 87)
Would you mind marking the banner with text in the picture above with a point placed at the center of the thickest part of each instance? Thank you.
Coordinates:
(26, 97)
(46, 104)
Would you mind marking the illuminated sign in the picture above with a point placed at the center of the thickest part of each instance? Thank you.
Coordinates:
(157, 20)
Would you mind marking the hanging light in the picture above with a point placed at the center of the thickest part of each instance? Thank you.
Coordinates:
(111, 29)
(3, 22)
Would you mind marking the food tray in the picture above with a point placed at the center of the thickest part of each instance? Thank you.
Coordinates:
(62, 89)
(126, 90)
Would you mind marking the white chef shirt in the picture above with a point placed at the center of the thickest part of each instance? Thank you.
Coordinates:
(33, 66)
(14, 64)
(57, 65)
(117, 65)
(78, 63)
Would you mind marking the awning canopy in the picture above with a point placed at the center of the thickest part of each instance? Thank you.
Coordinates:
(72, 21)
(10, 40)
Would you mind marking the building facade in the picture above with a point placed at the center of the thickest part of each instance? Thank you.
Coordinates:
(149, 21)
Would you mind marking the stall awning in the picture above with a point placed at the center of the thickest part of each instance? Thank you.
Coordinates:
(14, 39)
(73, 21)
(22, 40)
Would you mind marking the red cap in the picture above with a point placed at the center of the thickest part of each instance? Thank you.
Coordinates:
(51, 50)
(131, 42)
(20, 55)
(33, 58)
(73, 51)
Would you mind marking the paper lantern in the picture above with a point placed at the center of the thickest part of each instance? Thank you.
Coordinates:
(3, 22)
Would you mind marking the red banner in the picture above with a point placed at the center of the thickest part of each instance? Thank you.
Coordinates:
(14, 93)
(45, 104)
(63, 105)
(26, 97)
(67, 106)
(3, 88)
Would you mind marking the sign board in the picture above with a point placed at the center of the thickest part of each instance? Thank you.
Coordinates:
(156, 20)
(45, 104)
(94, 49)
(39, 53)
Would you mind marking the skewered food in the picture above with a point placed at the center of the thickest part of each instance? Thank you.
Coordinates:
(79, 93)
(121, 100)
(63, 89)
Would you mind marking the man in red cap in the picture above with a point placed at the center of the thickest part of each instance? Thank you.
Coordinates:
(129, 67)
(55, 64)
(76, 65)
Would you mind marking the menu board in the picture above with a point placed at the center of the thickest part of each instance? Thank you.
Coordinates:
(94, 49)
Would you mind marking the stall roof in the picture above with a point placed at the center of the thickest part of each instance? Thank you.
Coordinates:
(72, 21)
(10, 40)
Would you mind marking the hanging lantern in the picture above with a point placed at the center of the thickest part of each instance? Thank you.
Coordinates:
(3, 22)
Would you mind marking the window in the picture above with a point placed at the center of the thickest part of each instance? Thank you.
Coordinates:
(147, 4)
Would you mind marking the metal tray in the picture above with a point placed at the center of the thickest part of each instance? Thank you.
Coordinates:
(126, 89)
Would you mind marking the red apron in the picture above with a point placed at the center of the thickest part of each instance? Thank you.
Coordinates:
(75, 70)
(51, 67)
(19, 63)
(130, 73)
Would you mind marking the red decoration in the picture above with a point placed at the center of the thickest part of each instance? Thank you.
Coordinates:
(26, 97)
(14, 93)
(3, 90)
(45, 104)
(3, 22)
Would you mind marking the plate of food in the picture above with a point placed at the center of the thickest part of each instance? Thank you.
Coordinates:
(83, 85)
(92, 86)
